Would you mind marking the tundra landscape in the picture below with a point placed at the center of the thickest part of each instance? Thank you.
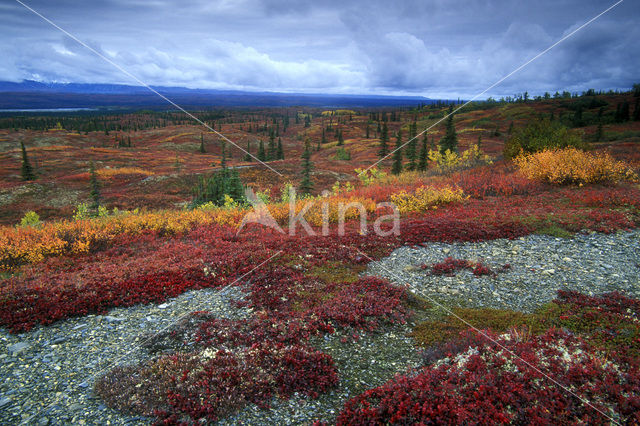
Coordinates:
(183, 256)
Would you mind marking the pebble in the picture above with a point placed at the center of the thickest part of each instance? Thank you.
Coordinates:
(4, 401)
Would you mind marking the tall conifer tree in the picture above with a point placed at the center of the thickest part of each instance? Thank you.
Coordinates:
(396, 168)
(26, 171)
(306, 184)
(450, 139)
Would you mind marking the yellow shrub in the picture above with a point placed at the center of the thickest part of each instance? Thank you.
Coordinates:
(370, 176)
(426, 198)
(451, 160)
(447, 160)
(573, 166)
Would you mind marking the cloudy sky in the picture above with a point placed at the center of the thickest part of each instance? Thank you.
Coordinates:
(433, 48)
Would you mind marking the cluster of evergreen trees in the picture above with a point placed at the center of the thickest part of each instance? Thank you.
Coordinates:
(273, 151)
(214, 188)
(122, 142)
(222, 183)
(416, 158)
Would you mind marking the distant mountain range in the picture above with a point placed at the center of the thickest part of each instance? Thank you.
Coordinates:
(37, 95)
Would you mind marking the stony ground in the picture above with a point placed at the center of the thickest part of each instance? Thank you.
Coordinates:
(537, 266)
(46, 375)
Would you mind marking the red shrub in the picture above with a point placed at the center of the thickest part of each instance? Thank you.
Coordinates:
(67, 286)
(450, 266)
(488, 181)
(212, 387)
(489, 385)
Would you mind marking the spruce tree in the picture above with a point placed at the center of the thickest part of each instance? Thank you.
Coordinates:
(618, 117)
(412, 146)
(396, 168)
(306, 185)
(223, 160)
(272, 149)
(94, 187)
(324, 137)
(247, 156)
(26, 170)
(624, 112)
(367, 132)
(598, 136)
(384, 141)
(280, 151)
(450, 139)
(424, 152)
(262, 156)
(232, 185)
(636, 110)
(340, 138)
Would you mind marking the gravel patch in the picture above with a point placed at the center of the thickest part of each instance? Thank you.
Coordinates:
(368, 362)
(538, 266)
(47, 375)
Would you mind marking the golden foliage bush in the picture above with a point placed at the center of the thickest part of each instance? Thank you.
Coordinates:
(573, 166)
(427, 198)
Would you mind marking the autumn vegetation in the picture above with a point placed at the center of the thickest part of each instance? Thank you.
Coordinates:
(122, 209)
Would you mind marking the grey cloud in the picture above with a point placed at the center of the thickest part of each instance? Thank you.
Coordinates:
(435, 48)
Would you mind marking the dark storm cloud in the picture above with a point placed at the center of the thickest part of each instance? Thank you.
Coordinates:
(435, 48)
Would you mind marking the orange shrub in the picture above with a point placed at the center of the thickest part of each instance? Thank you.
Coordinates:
(573, 166)
(107, 173)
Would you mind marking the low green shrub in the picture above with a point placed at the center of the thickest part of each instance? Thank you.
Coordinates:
(541, 135)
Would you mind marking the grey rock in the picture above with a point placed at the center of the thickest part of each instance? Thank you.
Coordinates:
(18, 348)
(4, 402)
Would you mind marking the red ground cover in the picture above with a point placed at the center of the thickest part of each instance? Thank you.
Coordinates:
(523, 379)
(152, 268)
